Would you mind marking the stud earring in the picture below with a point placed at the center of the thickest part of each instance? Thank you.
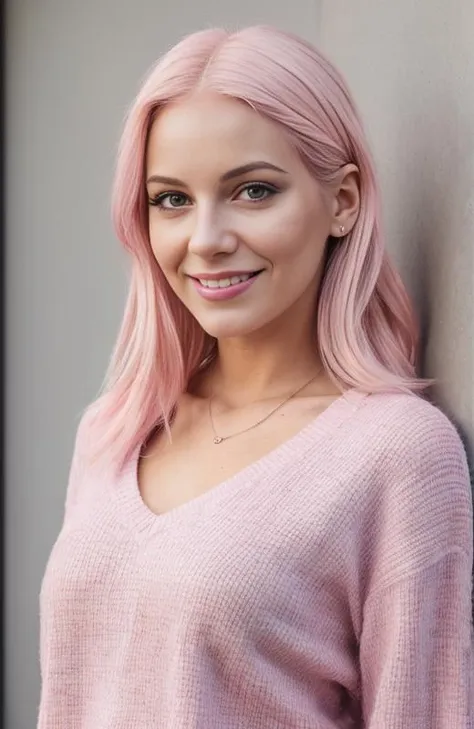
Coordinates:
(342, 230)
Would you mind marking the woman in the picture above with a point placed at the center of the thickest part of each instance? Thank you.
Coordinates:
(267, 526)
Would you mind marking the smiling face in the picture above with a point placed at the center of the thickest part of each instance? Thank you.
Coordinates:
(237, 224)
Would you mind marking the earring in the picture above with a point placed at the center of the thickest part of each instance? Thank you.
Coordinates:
(342, 230)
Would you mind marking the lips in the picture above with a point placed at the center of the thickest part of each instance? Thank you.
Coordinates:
(225, 282)
(224, 285)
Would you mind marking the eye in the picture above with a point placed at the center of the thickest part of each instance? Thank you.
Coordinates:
(170, 200)
(257, 191)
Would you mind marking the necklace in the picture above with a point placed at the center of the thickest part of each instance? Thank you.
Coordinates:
(221, 438)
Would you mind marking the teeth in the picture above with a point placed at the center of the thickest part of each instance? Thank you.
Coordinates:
(224, 283)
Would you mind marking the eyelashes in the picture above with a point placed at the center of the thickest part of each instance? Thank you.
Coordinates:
(174, 200)
(259, 187)
(159, 200)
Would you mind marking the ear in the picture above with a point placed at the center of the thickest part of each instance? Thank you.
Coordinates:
(346, 201)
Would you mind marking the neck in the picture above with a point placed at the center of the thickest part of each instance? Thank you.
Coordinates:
(266, 364)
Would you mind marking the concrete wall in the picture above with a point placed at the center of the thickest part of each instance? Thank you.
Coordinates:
(72, 69)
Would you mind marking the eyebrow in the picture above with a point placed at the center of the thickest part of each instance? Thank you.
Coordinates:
(236, 172)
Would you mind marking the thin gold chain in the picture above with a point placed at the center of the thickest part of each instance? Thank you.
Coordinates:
(221, 438)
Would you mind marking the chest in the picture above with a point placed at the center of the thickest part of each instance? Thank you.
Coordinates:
(173, 473)
(263, 548)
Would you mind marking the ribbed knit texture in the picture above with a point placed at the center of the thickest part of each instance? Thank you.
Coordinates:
(327, 585)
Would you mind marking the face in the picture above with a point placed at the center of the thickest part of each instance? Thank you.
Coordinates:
(237, 224)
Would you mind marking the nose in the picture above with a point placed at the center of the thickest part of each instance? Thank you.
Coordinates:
(211, 234)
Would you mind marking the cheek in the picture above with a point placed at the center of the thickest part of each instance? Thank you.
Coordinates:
(297, 237)
(165, 247)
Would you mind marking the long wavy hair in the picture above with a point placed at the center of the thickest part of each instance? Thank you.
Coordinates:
(366, 330)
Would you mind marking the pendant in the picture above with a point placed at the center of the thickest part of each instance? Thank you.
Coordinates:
(218, 439)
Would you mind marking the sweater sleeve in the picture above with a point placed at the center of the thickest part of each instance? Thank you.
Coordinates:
(416, 644)
(416, 651)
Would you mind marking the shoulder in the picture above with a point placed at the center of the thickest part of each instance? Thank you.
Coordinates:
(419, 489)
(414, 470)
(404, 408)
(84, 434)
(408, 432)
(83, 439)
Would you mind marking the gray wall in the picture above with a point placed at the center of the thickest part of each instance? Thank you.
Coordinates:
(72, 69)
(411, 68)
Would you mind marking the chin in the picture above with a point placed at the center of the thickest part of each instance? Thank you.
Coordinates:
(230, 329)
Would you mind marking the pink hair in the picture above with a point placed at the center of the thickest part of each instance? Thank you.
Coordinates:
(367, 333)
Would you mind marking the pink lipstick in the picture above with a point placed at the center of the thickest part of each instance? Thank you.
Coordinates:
(223, 285)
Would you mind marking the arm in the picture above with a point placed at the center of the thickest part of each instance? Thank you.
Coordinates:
(416, 644)
(416, 656)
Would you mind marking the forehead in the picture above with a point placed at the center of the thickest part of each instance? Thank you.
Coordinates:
(214, 130)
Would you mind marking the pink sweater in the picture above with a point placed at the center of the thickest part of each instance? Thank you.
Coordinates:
(327, 585)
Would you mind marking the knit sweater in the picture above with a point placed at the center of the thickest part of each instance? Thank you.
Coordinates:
(325, 586)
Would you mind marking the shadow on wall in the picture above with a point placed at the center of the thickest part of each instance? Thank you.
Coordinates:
(2, 357)
(438, 244)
